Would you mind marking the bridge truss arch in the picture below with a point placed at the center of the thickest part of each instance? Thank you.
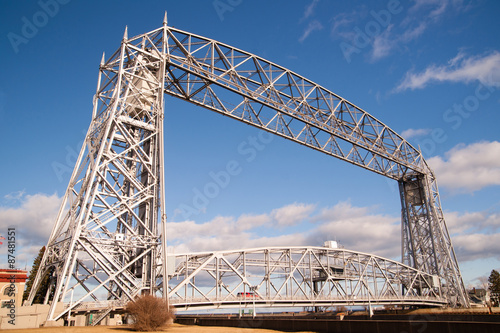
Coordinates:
(297, 276)
(109, 238)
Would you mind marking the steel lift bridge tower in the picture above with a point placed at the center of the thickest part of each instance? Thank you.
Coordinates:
(108, 243)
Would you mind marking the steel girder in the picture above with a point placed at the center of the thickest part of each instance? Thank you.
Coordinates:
(296, 276)
(106, 235)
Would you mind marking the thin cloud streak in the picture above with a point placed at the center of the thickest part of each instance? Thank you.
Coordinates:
(412, 133)
(312, 26)
(485, 69)
(309, 11)
(410, 28)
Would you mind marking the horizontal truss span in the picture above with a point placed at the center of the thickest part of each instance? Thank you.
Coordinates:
(296, 276)
(258, 92)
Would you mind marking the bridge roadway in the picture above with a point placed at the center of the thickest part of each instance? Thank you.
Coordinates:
(236, 302)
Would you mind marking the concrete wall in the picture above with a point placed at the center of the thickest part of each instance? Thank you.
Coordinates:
(26, 316)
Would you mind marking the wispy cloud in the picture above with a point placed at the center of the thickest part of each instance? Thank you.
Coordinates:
(312, 26)
(438, 5)
(392, 38)
(485, 69)
(420, 17)
(412, 133)
(309, 10)
(468, 168)
(14, 196)
(383, 44)
(340, 21)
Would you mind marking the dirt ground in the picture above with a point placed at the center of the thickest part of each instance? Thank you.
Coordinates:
(175, 328)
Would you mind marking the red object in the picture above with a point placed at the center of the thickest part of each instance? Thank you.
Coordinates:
(13, 275)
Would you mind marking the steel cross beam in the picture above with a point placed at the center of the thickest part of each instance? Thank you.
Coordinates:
(108, 221)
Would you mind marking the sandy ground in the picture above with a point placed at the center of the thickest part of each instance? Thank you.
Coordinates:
(175, 328)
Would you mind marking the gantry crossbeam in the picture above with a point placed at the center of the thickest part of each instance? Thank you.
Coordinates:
(253, 90)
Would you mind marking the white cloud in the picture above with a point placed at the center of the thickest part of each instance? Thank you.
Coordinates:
(469, 168)
(411, 133)
(474, 234)
(359, 229)
(471, 222)
(220, 226)
(227, 232)
(32, 221)
(485, 69)
(436, 13)
(291, 214)
(477, 246)
(312, 26)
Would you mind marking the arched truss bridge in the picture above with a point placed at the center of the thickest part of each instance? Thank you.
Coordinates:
(108, 242)
(297, 276)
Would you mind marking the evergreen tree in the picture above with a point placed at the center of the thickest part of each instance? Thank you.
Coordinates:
(31, 279)
(494, 282)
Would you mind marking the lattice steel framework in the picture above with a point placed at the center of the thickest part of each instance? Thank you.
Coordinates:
(296, 276)
(106, 242)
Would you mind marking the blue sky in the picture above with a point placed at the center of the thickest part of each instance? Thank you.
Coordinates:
(429, 69)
